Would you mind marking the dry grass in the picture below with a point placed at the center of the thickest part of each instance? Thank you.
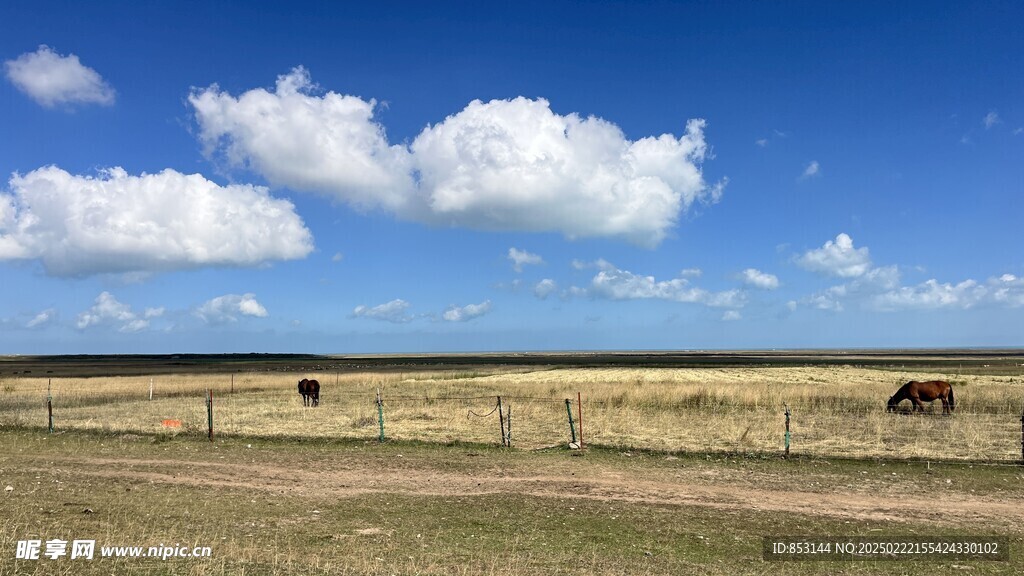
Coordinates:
(836, 411)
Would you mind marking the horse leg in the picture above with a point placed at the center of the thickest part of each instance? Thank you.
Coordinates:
(918, 406)
(945, 405)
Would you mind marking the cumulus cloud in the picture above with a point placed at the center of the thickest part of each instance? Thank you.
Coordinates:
(499, 165)
(51, 79)
(229, 308)
(731, 315)
(42, 319)
(544, 288)
(108, 311)
(615, 284)
(467, 312)
(338, 257)
(991, 119)
(327, 144)
(115, 222)
(812, 169)
(1006, 290)
(837, 258)
(860, 289)
(930, 294)
(522, 258)
(393, 311)
(756, 278)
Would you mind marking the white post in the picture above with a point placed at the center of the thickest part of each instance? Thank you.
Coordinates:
(150, 388)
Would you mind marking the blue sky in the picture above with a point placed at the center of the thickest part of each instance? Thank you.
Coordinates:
(405, 177)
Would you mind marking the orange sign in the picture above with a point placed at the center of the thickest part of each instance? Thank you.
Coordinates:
(172, 423)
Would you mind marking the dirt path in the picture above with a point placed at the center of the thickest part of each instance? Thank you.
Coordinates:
(726, 489)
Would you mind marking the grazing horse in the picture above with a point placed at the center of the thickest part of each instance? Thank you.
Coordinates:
(917, 392)
(310, 390)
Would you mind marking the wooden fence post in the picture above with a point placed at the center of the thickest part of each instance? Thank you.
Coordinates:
(508, 425)
(1022, 436)
(787, 431)
(49, 406)
(209, 412)
(501, 421)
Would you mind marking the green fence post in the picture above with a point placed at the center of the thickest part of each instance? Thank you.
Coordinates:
(380, 414)
(572, 428)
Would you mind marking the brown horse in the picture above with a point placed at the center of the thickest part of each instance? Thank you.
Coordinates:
(917, 392)
(310, 390)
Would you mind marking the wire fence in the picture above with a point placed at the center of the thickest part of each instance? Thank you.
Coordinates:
(696, 424)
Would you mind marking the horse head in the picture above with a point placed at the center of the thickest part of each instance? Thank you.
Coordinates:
(891, 405)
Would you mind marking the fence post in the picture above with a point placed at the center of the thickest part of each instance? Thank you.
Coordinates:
(579, 407)
(209, 411)
(380, 414)
(232, 383)
(508, 424)
(787, 431)
(151, 389)
(1022, 436)
(572, 429)
(49, 406)
(501, 421)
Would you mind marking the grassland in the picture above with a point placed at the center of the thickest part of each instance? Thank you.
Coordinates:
(355, 507)
(682, 474)
(836, 410)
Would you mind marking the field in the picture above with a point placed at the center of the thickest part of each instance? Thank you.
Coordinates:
(682, 471)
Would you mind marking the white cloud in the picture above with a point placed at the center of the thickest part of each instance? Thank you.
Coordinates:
(812, 169)
(756, 278)
(153, 312)
(466, 313)
(499, 165)
(393, 311)
(1007, 291)
(837, 258)
(42, 319)
(762, 142)
(115, 222)
(338, 257)
(329, 145)
(50, 79)
(544, 288)
(522, 258)
(791, 305)
(731, 315)
(991, 119)
(860, 289)
(930, 294)
(108, 311)
(691, 272)
(229, 307)
(615, 284)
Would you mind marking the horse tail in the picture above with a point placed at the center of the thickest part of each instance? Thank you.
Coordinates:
(952, 402)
